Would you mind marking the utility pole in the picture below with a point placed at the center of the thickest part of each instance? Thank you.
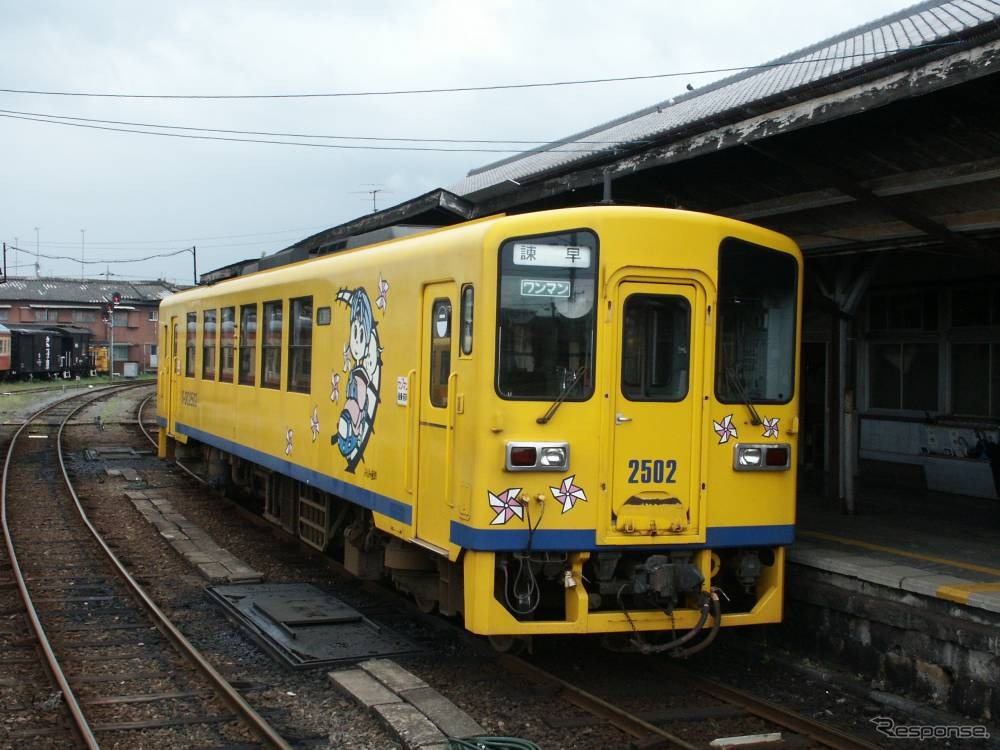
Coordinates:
(37, 268)
(194, 263)
(17, 254)
(83, 234)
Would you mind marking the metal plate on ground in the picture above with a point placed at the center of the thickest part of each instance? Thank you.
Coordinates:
(305, 627)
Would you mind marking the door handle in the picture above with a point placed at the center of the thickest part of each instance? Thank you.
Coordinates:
(621, 418)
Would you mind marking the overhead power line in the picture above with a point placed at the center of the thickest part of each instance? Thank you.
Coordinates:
(304, 135)
(101, 262)
(279, 143)
(490, 87)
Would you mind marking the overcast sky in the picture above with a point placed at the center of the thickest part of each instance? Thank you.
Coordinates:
(137, 195)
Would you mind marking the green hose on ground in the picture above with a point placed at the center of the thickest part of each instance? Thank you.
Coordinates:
(491, 743)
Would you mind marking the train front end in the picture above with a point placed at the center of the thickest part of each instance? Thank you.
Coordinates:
(636, 472)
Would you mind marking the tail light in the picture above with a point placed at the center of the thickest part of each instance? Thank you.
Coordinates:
(537, 457)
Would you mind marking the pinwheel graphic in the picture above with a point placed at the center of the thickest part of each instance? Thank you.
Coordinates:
(383, 293)
(771, 427)
(347, 357)
(335, 387)
(568, 493)
(314, 423)
(289, 437)
(724, 429)
(506, 505)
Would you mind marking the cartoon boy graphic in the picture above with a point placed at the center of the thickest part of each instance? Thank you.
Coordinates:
(357, 418)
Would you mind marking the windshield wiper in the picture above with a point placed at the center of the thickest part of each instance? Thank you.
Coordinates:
(735, 381)
(567, 387)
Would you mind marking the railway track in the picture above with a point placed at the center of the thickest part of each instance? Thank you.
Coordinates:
(114, 665)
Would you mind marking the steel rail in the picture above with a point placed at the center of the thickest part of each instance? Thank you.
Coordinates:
(817, 731)
(80, 724)
(623, 720)
(142, 425)
(264, 731)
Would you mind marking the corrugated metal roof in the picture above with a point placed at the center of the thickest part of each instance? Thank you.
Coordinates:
(923, 24)
(91, 290)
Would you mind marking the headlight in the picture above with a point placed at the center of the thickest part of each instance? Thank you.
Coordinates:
(553, 457)
(748, 456)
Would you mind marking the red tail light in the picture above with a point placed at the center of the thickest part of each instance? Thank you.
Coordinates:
(776, 456)
(523, 456)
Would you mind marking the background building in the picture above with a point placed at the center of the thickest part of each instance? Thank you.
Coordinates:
(80, 303)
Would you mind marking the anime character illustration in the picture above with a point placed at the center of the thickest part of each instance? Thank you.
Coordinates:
(363, 363)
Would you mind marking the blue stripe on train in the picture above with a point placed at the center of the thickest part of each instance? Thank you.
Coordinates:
(484, 539)
(586, 539)
(358, 495)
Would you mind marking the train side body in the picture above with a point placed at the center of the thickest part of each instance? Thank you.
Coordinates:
(652, 474)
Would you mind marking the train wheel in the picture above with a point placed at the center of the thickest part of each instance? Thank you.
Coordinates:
(509, 644)
(425, 603)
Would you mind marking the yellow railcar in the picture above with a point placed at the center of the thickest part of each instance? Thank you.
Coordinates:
(571, 421)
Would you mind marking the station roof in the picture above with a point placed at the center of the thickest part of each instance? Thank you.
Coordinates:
(90, 291)
(898, 42)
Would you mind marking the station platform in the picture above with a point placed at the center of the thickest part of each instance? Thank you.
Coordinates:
(906, 592)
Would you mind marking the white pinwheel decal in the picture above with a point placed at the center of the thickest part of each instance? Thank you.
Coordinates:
(506, 505)
(383, 292)
(568, 493)
(335, 387)
(347, 357)
(724, 429)
(289, 437)
(314, 423)
(771, 427)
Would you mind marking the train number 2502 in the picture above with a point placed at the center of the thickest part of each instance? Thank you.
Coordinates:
(652, 470)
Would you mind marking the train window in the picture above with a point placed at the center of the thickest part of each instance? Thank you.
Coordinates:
(226, 340)
(323, 316)
(208, 339)
(440, 323)
(270, 358)
(656, 332)
(546, 318)
(465, 341)
(300, 345)
(755, 345)
(189, 344)
(248, 344)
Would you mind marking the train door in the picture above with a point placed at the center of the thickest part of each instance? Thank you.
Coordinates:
(436, 420)
(657, 394)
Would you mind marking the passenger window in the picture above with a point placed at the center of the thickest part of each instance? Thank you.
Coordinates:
(208, 345)
(248, 343)
(655, 347)
(189, 344)
(270, 370)
(440, 351)
(227, 342)
(300, 345)
(466, 327)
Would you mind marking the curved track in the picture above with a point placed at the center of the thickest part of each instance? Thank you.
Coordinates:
(97, 628)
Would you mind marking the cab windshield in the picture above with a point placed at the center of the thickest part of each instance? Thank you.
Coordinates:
(755, 361)
(545, 320)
